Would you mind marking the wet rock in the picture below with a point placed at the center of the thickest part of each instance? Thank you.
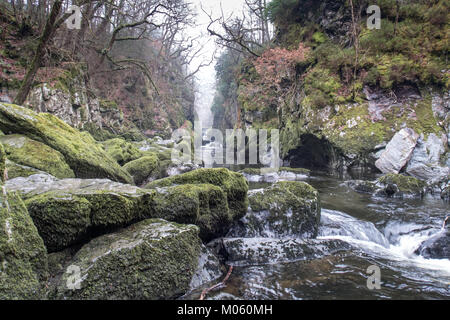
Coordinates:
(153, 259)
(285, 209)
(5, 99)
(26, 152)
(398, 151)
(250, 251)
(84, 156)
(23, 258)
(391, 185)
(174, 169)
(425, 162)
(438, 245)
(15, 170)
(445, 194)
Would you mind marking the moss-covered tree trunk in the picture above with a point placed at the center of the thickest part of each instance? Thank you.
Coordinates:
(45, 37)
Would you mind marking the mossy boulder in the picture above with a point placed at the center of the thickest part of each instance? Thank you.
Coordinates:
(153, 259)
(143, 169)
(122, 151)
(233, 184)
(204, 205)
(23, 257)
(85, 157)
(34, 154)
(285, 209)
(67, 217)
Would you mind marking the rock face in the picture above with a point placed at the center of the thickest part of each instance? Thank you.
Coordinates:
(398, 151)
(425, 162)
(80, 151)
(34, 154)
(153, 259)
(285, 209)
(233, 184)
(23, 258)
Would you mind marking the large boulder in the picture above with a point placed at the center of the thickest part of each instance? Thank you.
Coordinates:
(26, 152)
(391, 185)
(204, 205)
(85, 157)
(398, 151)
(438, 245)
(153, 259)
(425, 162)
(285, 209)
(23, 258)
(251, 251)
(143, 169)
(233, 184)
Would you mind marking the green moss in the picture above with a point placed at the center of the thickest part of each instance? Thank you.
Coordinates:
(204, 205)
(121, 150)
(15, 170)
(153, 259)
(80, 151)
(67, 218)
(108, 105)
(143, 168)
(23, 258)
(34, 154)
(233, 184)
(405, 184)
(62, 220)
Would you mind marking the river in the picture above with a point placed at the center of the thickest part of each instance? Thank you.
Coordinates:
(380, 232)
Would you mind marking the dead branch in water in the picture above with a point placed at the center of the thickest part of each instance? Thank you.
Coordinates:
(220, 284)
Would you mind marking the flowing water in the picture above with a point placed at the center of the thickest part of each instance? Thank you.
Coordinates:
(380, 232)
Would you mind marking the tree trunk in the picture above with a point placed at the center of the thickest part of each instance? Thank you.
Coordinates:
(45, 37)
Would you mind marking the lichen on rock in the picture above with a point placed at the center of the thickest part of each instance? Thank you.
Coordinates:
(153, 259)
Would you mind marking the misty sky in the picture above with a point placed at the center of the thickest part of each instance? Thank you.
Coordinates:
(206, 77)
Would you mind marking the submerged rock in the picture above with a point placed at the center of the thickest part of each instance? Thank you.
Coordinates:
(285, 209)
(85, 157)
(283, 174)
(398, 151)
(143, 169)
(26, 152)
(233, 184)
(391, 185)
(153, 259)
